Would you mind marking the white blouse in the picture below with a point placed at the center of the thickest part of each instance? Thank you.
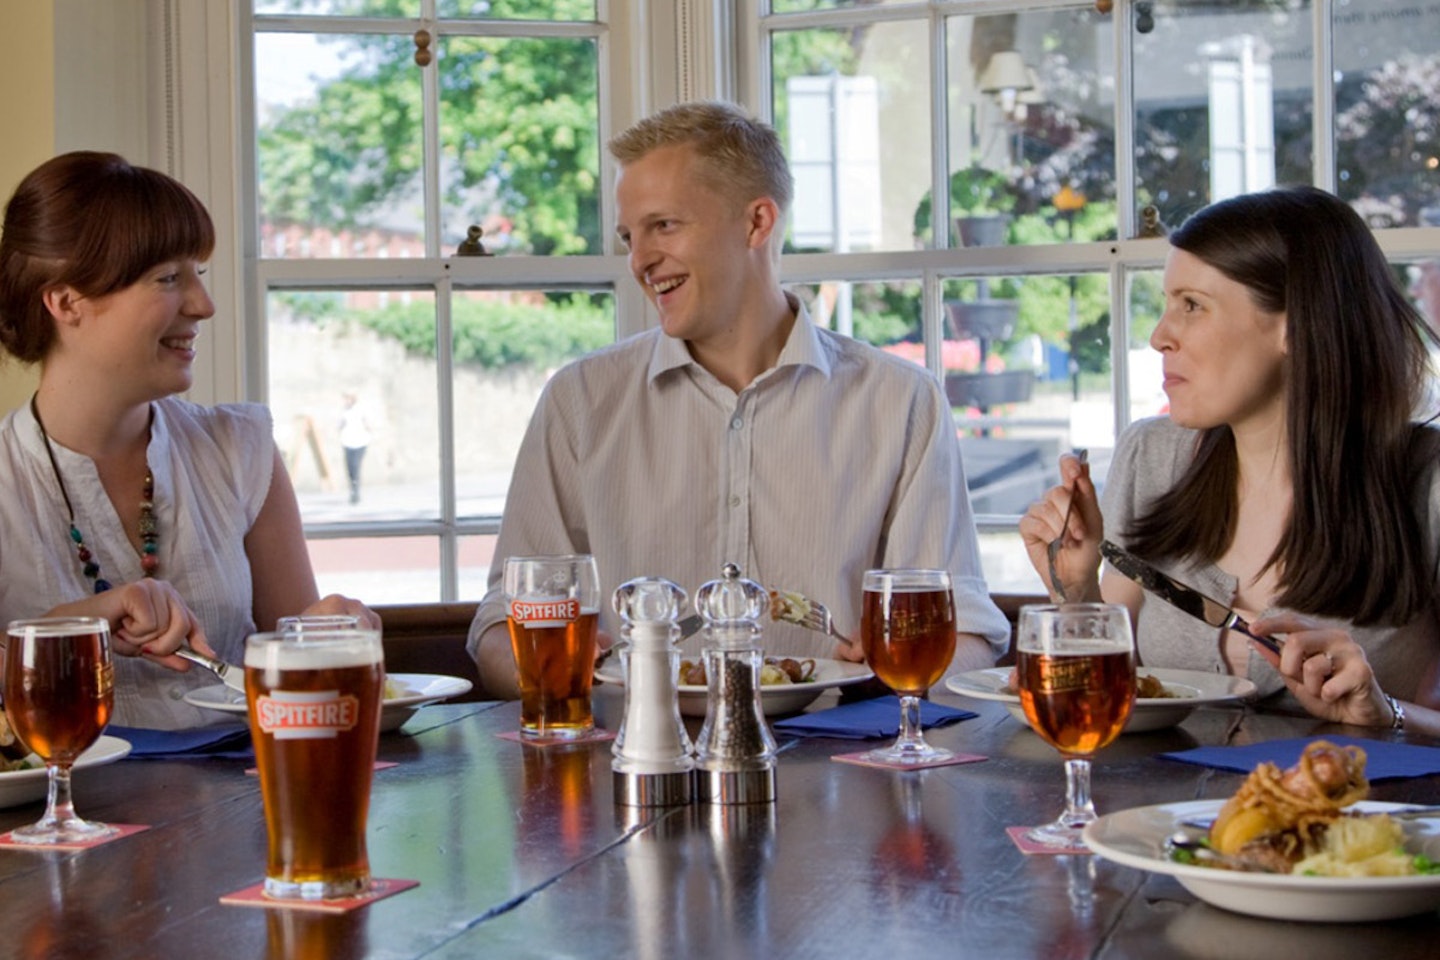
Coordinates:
(212, 469)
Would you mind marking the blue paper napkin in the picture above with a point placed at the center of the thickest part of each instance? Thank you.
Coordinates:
(220, 740)
(1384, 760)
(867, 719)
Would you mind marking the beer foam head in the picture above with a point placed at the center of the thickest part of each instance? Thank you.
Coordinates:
(314, 650)
(58, 626)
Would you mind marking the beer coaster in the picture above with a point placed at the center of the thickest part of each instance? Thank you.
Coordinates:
(1028, 846)
(594, 736)
(379, 765)
(122, 830)
(254, 896)
(860, 759)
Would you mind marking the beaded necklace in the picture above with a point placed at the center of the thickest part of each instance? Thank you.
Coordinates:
(149, 527)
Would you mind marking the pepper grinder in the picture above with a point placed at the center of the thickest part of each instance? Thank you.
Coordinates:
(652, 765)
(735, 751)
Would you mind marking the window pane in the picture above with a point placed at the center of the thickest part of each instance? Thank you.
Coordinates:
(519, 122)
(338, 142)
(1387, 108)
(1222, 102)
(506, 345)
(800, 6)
(353, 394)
(517, 9)
(852, 108)
(884, 314)
(476, 554)
(1019, 399)
(1030, 115)
(1006, 565)
(1147, 303)
(340, 8)
(378, 569)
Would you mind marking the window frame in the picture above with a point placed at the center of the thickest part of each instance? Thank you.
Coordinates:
(199, 121)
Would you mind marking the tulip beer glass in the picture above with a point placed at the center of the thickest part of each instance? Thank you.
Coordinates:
(59, 691)
(314, 706)
(553, 608)
(907, 628)
(1075, 667)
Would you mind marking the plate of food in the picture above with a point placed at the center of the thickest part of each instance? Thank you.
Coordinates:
(27, 781)
(1163, 696)
(786, 684)
(404, 694)
(1310, 848)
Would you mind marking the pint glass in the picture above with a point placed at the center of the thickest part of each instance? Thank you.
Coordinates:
(553, 607)
(314, 705)
(310, 622)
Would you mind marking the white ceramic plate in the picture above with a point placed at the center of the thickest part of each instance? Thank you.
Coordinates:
(23, 786)
(1136, 838)
(412, 691)
(775, 699)
(1150, 713)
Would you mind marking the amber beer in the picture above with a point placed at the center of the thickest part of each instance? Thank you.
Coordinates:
(59, 685)
(552, 607)
(314, 707)
(1078, 702)
(554, 644)
(908, 636)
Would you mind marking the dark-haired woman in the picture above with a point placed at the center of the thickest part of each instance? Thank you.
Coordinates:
(1288, 479)
(108, 478)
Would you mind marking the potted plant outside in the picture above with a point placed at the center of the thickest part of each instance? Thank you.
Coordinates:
(980, 203)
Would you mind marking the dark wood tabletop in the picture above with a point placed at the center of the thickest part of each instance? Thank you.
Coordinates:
(522, 852)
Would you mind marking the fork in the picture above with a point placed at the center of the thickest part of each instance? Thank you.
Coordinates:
(1198, 849)
(816, 617)
(1052, 549)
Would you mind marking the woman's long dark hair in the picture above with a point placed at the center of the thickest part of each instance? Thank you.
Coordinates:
(1354, 374)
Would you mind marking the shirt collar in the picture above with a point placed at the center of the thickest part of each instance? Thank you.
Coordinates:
(802, 348)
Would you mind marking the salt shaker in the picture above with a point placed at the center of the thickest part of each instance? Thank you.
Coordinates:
(652, 763)
(735, 753)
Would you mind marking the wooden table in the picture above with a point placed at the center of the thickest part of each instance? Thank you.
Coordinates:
(521, 852)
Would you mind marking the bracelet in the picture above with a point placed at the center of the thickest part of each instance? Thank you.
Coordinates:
(1397, 712)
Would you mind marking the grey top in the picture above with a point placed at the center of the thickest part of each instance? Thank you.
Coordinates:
(1149, 459)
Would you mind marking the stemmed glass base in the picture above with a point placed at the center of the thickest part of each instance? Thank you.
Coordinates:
(911, 747)
(1064, 832)
(60, 824)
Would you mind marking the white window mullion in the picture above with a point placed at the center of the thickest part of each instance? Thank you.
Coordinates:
(444, 383)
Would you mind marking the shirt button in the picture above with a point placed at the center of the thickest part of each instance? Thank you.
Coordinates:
(176, 693)
(737, 423)
(735, 501)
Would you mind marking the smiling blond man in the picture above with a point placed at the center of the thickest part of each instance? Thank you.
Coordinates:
(737, 431)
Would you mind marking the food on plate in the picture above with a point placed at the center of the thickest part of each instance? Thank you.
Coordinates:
(12, 751)
(789, 606)
(1294, 821)
(1146, 687)
(775, 671)
(1150, 688)
(394, 690)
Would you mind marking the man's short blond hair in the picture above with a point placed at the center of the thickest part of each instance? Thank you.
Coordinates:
(740, 157)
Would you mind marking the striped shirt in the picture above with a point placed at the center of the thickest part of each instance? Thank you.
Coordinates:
(839, 459)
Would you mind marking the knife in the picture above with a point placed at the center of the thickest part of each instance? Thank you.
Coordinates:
(1180, 596)
(233, 676)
